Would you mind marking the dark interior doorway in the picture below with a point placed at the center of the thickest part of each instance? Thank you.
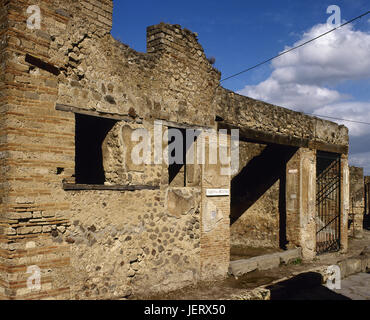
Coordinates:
(258, 176)
(89, 136)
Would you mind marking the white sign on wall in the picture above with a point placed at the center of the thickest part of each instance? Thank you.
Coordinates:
(218, 192)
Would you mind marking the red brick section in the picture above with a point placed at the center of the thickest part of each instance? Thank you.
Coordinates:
(33, 143)
(3, 160)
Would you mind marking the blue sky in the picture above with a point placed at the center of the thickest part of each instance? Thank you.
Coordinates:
(330, 77)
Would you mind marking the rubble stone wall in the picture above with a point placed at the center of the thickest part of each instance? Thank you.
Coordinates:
(258, 226)
(246, 112)
(111, 243)
(357, 200)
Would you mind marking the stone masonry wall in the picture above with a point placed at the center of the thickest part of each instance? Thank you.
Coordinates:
(3, 189)
(357, 200)
(106, 244)
(75, 239)
(258, 226)
(246, 112)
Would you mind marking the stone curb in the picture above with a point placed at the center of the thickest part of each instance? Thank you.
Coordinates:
(265, 262)
(348, 267)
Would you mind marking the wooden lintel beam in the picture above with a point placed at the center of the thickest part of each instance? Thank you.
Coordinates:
(113, 116)
(81, 187)
(257, 136)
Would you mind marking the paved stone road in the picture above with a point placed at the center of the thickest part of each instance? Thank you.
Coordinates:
(356, 287)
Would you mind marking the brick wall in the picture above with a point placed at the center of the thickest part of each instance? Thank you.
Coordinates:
(215, 217)
(35, 147)
(3, 102)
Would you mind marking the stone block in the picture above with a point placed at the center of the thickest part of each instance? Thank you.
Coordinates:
(353, 266)
(268, 261)
(240, 267)
(290, 255)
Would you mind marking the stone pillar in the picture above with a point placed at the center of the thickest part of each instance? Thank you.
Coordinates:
(301, 202)
(344, 203)
(35, 141)
(357, 201)
(292, 202)
(215, 216)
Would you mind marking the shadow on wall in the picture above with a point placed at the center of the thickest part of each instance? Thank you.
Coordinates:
(366, 220)
(258, 176)
(305, 286)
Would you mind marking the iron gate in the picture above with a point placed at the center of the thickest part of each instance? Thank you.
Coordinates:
(328, 202)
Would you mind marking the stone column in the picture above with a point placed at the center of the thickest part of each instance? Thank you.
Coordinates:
(215, 216)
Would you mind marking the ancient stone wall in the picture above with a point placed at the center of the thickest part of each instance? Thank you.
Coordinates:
(135, 230)
(3, 189)
(357, 201)
(367, 203)
(246, 112)
(101, 244)
(257, 224)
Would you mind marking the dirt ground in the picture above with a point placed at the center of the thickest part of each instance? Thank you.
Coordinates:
(219, 290)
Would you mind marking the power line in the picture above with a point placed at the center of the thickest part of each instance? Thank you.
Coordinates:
(301, 45)
(361, 122)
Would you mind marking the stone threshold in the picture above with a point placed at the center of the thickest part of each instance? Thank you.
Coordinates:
(265, 262)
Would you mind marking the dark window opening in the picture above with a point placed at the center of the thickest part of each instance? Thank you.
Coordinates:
(89, 136)
(177, 172)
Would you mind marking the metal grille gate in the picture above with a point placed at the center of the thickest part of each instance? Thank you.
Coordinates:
(328, 202)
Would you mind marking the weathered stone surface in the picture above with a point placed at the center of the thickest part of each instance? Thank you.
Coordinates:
(357, 201)
(268, 262)
(290, 255)
(105, 244)
(240, 267)
(264, 262)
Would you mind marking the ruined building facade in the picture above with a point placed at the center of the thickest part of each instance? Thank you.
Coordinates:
(357, 201)
(74, 205)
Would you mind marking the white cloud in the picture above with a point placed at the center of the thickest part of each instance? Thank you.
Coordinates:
(305, 79)
(338, 56)
(356, 111)
(300, 78)
(302, 97)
